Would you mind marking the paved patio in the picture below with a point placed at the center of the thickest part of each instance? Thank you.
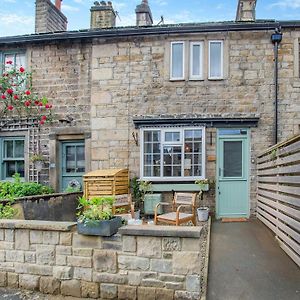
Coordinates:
(247, 263)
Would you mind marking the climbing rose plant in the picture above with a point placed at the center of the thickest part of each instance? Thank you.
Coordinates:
(18, 99)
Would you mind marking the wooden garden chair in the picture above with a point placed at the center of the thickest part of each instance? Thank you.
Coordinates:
(177, 216)
(123, 205)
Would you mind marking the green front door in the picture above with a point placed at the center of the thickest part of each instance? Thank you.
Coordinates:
(72, 164)
(232, 186)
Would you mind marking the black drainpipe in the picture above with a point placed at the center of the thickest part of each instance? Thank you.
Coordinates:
(276, 39)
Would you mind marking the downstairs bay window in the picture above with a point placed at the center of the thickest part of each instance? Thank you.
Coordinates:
(173, 153)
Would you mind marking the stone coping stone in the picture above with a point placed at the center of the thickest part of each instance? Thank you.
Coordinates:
(37, 225)
(162, 231)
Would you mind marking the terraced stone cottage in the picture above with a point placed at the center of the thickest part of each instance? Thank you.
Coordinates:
(173, 103)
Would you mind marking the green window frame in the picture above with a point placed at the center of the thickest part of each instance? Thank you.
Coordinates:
(12, 157)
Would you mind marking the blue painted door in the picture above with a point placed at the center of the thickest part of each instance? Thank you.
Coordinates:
(232, 186)
(72, 164)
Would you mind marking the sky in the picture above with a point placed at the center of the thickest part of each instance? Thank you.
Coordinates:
(17, 16)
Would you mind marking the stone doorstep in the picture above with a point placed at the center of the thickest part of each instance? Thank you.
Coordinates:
(161, 231)
(37, 225)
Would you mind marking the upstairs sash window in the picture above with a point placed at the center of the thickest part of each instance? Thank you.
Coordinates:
(215, 59)
(177, 60)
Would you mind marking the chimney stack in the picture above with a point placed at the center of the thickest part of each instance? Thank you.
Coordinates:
(246, 11)
(143, 14)
(102, 15)
(48, 17)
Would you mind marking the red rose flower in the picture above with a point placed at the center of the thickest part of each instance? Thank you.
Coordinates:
(42, 122)
(27, 103)
(9, 91)
(9, 62)
(16, 97)
(36, 102)
(27, 93)
(3, 96)
(40, 103)
(22, 69)
(43, 118)
(47, 105)
(10, 107)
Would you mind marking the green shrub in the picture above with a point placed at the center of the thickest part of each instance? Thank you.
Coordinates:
(9, 191)
(17, 188)
(6, 211)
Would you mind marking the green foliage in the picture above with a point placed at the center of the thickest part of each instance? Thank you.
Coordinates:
(95, 209)
(12, 190)
(145, 187)
(7, 211)
(18, 98)
(136, 192)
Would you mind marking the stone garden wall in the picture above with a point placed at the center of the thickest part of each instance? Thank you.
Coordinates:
(52, 207)
(141, 262)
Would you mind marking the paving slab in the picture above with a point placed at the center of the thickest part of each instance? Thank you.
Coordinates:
(246, 262)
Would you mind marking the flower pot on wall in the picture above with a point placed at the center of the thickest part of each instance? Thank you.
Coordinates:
(100, 228)
(202, 213)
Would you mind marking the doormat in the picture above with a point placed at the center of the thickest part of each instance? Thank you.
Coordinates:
(228, 220)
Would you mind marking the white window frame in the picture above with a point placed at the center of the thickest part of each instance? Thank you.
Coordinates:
(222, 60)
(200, 76)
(162, 144)
(183, 60)
(14, 53)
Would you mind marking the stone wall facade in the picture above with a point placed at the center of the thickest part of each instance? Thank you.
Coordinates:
(98, 86)
(53, 258)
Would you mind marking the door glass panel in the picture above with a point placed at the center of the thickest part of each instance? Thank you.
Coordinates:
(70, 159)
(233, 159)
(80, 159)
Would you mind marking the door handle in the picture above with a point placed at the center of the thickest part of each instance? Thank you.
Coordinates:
(220, 172)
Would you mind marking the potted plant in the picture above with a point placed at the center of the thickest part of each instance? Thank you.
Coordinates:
(96, 218)
(150, 200)
(38, 161)
(202, 211)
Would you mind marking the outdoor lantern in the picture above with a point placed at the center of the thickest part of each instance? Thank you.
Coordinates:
(276, 37)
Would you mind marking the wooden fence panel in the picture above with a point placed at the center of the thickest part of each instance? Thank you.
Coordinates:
(278, 194)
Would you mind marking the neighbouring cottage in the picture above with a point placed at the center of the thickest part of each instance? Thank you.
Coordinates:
(173, 103)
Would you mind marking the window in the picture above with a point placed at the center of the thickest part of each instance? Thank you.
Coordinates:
(173, 153)
(196, 65)
(215, 63)
(177, 61)
(18, 59)
(12, 157)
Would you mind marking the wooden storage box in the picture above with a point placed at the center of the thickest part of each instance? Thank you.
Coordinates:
(106, 183)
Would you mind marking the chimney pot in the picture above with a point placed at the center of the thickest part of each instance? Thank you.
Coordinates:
(58, 4)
